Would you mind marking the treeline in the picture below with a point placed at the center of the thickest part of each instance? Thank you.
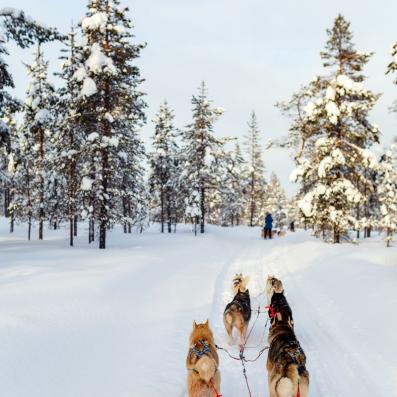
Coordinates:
(73, 153)
(76, 154)
(343, 184)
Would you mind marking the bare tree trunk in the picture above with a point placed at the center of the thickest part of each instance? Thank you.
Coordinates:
(29, 227)
(169, 219)
(102, 234)
(389, 234)
(12, 222)
(162, 209)
(129, 214)
(91, 231)
(71, 231)
(336, 236)
(7, 200)
(41, 225)
(75, 226)
(125, 214)
(104, 216)
(41, 212)
(29, 205)
(202, 205)
(252, 209)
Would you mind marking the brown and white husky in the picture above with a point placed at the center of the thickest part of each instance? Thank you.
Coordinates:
(202, 362)
(286, 362)
(238, 312)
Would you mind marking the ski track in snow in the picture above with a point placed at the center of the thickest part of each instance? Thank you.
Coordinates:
(80, 322)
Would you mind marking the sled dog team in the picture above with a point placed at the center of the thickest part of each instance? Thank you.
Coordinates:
(286, 360)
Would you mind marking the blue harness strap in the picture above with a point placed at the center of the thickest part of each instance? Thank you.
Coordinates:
(200, 353)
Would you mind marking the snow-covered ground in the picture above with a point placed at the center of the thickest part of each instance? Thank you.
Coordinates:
(79, 322)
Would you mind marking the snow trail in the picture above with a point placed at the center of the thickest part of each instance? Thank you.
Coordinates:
(78, 322)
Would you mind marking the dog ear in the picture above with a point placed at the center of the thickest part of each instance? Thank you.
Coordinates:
(279, 316)
(206, 323)
(194, 324)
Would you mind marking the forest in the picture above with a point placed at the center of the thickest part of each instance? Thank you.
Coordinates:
(73, 154)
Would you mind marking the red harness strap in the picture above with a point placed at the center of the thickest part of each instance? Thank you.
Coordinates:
(272, 312)
(298, 394)
(214, 388)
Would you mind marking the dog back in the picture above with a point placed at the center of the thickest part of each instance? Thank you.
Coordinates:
(242, 303)
(280, 305)
(286, 355)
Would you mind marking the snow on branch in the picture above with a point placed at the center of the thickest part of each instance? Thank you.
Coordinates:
(24, 30)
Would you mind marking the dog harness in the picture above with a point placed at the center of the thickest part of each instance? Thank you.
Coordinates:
(200, 353)
(243, 303)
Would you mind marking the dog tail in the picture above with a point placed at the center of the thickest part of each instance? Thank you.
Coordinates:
(206, 368)
(228, 317)
(285, 386)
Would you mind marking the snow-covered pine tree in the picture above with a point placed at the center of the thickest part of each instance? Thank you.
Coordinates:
(112, 182)
(256, 172)
(233, 188)
(14, 26)
(295, 216)
(164, 167)
(215, 198)
(8, 160)
(36, 132)
(276, 202)
(69, 135)
(200, 149)
(335, 162)
(392, 68)
(387, 193)
(21, 165)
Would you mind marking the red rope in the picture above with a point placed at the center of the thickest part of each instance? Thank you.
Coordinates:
(214, 388)
(272, 312)
(299, 393)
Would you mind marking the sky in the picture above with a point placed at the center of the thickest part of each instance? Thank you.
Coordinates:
(251, 53)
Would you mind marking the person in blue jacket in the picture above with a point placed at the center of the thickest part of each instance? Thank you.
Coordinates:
(268, 225)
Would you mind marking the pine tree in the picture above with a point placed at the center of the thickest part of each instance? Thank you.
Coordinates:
(392, 68)
(256, 172)
(164, 160)
(295, 216)
(334, 163)
(200, 151)
(69, 136)
(387, 192)
(37, 180)
(15, 26)
(233, 188)
(112, 181)
(8, 160)
(276, 202)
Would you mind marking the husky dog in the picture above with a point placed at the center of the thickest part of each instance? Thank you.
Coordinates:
(286, 362)
(202, 362)
(278, 302)
(238, 312)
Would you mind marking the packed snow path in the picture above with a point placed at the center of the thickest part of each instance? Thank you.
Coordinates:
(82, 322)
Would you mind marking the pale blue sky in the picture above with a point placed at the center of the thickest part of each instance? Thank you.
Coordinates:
(251, 53)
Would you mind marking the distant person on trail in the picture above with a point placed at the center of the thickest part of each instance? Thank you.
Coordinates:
(268, 225)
